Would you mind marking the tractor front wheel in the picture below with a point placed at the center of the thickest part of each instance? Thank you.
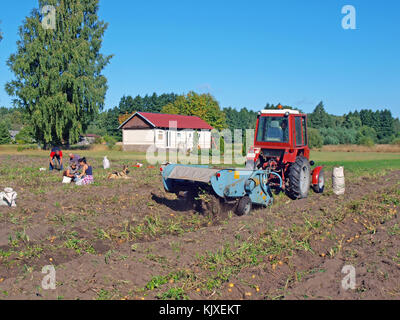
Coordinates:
(299, 178)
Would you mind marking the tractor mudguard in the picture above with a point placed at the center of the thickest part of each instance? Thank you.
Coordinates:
(315, 175)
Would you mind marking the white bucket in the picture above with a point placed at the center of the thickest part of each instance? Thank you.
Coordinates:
(338, 181)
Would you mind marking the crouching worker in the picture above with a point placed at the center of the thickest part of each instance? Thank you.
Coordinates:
(56, 159)
(71, 172)
(86, 176)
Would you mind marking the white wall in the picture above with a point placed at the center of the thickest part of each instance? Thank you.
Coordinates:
(205, 139)
(176, 138)
(138, 136)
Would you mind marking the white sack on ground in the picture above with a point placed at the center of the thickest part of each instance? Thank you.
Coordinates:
(106, 163)
(8, 197)
(338, 181)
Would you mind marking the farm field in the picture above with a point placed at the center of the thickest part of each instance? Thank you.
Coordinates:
(128, 239)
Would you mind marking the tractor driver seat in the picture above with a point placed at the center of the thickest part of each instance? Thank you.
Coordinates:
(275, 132)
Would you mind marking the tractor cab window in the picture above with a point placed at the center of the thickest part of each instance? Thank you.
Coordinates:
(301, 134)
(273, 129)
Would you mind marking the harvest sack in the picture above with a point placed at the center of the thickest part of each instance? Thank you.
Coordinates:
(338, 181)
(8, 197)
(106, 163)
(66, 179)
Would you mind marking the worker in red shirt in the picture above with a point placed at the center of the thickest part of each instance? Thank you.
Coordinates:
(56, 159)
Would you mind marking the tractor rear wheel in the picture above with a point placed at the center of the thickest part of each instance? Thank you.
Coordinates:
(299, 178)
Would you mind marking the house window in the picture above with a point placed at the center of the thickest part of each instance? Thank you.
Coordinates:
(160, 135)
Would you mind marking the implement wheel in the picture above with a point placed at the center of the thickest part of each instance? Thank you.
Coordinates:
(244, 206)
(299, 178)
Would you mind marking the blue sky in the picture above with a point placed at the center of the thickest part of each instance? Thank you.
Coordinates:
(245, 53)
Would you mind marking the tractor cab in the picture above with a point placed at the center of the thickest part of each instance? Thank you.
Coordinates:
(281, 146)
(281, 133)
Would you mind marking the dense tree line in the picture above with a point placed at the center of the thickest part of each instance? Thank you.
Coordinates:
(107, 122)
(364, 127)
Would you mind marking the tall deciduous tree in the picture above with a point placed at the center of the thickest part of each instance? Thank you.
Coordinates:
(58, 72)
(203, 106)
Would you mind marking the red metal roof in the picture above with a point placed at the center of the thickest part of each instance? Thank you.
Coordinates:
(162, 120)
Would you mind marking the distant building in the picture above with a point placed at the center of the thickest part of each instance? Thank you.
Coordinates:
(13, 133)
(87, 139)
(164, 131)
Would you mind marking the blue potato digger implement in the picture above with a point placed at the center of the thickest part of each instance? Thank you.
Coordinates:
(240, 187)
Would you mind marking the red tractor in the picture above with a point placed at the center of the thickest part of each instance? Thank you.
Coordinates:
(281, 146)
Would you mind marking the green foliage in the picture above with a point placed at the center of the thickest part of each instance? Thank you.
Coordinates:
(15, 118)
(174, 294)
(58, 78)
(108, 121)
(337, 136)
(5, 137)
(396, 141)
(25, 136)
(396, 127)
(319, 118)
(365, 134)
(242, 119)
(366, 141)
(153, 103)
(315, 139)
(378, 126)
(110, 141)
(95, 128)
(196, 143)
(27, 147)
(203, 106)
(329, 136)
(222, 144)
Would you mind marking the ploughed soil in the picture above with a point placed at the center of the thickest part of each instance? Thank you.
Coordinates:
(129, 239)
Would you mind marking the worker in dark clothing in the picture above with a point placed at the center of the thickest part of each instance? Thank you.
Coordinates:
(56, 159)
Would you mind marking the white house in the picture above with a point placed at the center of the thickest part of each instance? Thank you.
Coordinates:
(164, 131)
